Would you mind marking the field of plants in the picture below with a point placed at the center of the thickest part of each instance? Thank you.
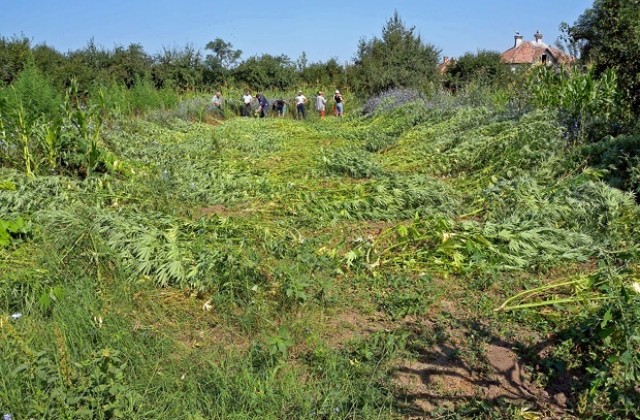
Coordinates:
(433, 257)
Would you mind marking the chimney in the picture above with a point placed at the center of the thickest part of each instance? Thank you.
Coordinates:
(538, 37)
(518, 39)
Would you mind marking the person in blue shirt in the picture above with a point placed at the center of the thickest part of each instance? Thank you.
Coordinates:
(264, 105)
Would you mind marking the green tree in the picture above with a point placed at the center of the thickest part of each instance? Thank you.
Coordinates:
(323, 75)
(609, 33)
(130, 64)
(399, 59)
(85, 66)
(221, 61)
(266, 72)
(50, 62)
(15, 53)
(484, 67)
(182, 69)
(302, 62)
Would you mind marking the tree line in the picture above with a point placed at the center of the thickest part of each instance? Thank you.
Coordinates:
(605, 37)
(190, 69)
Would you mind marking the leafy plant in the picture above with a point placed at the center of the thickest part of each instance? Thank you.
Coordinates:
(351, 162)
(12, 230)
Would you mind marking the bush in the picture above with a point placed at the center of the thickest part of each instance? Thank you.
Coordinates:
(33, 95)
(620, 158)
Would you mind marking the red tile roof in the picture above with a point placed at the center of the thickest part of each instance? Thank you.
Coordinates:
(529, 52)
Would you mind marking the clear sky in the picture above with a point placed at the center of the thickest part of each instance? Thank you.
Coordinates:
(322, 29)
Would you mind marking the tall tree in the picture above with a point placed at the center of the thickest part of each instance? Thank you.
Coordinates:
(221, 61)
(179, 68)
(266, 72)
(399, 59)
(86, 65)
(130, 65)
(609, 33)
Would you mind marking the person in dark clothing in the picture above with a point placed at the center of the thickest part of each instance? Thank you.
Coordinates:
(264, 105)
(280, 107)
(301, 100)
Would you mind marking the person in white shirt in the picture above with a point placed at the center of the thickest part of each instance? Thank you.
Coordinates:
(300, 101)
(321, 104)
(216, 103)
(247, 99)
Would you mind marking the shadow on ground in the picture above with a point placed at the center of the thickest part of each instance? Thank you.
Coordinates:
(468, 365)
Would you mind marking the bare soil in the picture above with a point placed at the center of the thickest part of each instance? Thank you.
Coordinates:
(441, 377)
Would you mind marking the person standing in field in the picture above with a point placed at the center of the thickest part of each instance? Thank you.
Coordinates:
(246, 108)
(321, 104)
(216, 103)
(339, 110)
(300, 101)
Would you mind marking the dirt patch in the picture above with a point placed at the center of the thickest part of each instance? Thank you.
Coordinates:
(507, 376)
(438, 382)
(439, 378)
(221, 211)
(347, 326)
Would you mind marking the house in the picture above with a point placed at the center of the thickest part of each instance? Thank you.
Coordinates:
(446, 62)
(533, 52)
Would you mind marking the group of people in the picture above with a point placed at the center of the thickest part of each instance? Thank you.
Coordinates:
(321, 104)
(279, 106)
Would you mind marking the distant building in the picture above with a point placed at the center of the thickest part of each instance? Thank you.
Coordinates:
(446, 62)
(533, 52)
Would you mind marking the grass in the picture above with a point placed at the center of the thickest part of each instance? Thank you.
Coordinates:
(283, 269)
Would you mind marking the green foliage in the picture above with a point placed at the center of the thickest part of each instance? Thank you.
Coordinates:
(32, 94)
(84, 66)
(15, 54)
(351, 162)
(398, 59)
(266, 72)
(483, 67)
(610, 36)
(12, 230)
(323, 76)
(619, 158)
(609, 340)
(283, 269)
(178, 69)
(221, 61)
(589, 107)
(93, 388)
(129, 66)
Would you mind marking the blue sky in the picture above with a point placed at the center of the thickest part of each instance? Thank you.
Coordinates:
(322, 29)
